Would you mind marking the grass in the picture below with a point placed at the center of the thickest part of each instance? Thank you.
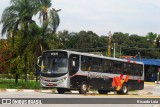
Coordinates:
(10, 84)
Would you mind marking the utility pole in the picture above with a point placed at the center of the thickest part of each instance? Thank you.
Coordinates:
(120, 53)
(109, 43)
(114, 55)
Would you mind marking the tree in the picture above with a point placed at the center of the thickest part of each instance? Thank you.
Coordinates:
(5, 55)
(53, 20)
(50, 19)
(18, 14)
(120, 38)
(16, 19)
(151, 37)
(17, 22)
(43, 8)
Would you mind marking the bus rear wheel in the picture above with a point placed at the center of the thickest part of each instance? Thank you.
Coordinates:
(124, 89)
(61, 90)
(103, 91)
(83, 88)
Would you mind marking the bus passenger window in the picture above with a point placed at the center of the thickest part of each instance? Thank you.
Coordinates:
(117, 67)
(89, 68)
(135, 70)
(126, 69)
(96, 65)
(140, 70)
(107, 66)
(86, 63)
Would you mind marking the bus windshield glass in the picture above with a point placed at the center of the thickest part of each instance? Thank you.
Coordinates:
(54, 64)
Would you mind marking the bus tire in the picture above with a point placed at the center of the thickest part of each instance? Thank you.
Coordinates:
(124, 89)
(61, 90)
(103, 91)
(83, 88)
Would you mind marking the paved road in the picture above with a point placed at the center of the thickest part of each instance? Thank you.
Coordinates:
(150, 91)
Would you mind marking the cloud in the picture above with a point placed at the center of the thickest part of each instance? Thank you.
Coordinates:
(132, 16)
(101, 16)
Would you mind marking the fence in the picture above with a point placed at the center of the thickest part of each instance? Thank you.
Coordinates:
(30, 76)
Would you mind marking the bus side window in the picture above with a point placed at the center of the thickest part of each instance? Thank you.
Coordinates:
(86, 63)
(73, 64)
(108, 66)
(117, 67)
(127, 69)
(97, 65)
(141, 70)
(136, 70)
(83, 60)
(94, 64)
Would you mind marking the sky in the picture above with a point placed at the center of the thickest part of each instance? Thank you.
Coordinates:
(101, 16)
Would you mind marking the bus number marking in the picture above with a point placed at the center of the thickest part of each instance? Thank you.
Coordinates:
(54, 54)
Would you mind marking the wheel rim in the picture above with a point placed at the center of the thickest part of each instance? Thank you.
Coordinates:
(84, 87)
(125, 89)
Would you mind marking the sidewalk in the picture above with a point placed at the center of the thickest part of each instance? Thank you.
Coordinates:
(27, 90)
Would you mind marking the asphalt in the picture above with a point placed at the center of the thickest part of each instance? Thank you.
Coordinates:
(151, 88)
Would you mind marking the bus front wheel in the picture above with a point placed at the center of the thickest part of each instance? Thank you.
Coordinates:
(83, 88)
(124, 89)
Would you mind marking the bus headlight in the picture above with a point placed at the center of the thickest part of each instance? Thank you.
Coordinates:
(63, 79)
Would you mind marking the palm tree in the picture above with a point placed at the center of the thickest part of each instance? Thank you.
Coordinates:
(17, 21)
(50, 19)
(43, 8)
(17, 18)
(53, 19)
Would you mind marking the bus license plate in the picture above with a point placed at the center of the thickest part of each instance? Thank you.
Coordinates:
(51, 84)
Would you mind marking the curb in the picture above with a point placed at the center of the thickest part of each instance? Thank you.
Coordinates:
(25, 90)
(151, 83)
(43, 91)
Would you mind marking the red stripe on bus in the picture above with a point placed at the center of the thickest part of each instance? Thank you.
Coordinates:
(113, 84)
(126, 79)
(115, 81)
(119, 81)
(121, 76)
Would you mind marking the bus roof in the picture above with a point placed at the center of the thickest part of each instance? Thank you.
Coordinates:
(97, 56)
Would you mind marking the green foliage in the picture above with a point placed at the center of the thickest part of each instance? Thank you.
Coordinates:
(16, 65)
(10, 84)
(27, 38)
(126, 45)
(53, 20)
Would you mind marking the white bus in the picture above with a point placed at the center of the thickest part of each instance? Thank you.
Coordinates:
(69, 70)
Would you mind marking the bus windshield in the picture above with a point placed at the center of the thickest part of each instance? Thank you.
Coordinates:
(54, 65)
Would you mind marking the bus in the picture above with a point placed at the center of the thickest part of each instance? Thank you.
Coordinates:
(69, 70)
